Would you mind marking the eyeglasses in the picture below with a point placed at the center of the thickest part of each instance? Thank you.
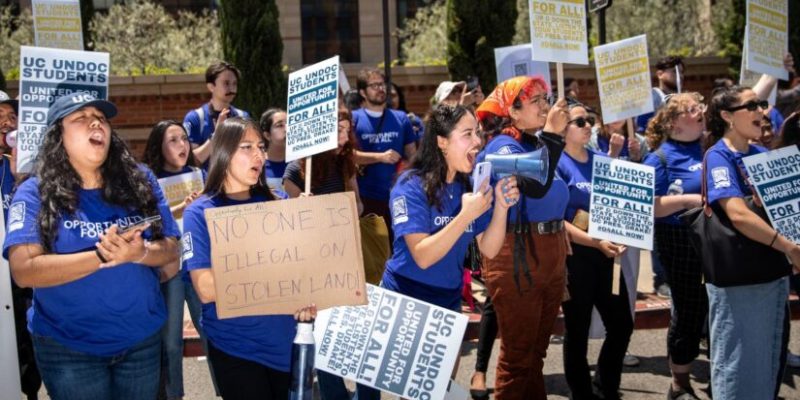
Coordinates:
(377, 85)
(581, 122)
(752, 105)
(696, 109)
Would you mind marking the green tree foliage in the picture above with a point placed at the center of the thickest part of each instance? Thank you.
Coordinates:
(522, 26)
(474, 29)
(729, 27)
(251, 40)
(424, 37)
(15, 31)
(143, 38)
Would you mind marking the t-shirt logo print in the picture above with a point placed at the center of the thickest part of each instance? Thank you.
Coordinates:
(399, 210)
(16, 216)
(186, 246)
(720, 176)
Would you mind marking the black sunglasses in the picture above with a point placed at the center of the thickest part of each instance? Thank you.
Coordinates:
(581, 122)
(750, 106)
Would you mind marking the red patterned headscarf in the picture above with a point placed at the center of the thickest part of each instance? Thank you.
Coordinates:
(500, 101)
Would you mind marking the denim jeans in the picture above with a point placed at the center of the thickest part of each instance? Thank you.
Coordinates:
(175, 291)
(73, 375)
(746, 328)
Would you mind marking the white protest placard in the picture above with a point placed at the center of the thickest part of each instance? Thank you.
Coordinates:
(558, 31)
(516, 60)
(623, 79)
(45, 75)
(621, 204)
(749, 78)
(776, 177)
(57, 24)
(176, 188)
(312, 113)
(396, 344)
(767, 37)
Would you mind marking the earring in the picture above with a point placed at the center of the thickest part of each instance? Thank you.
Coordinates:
(444, 152)
(731, 125)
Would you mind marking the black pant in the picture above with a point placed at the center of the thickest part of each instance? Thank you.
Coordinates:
(486, 336)
(241, 379)
(589, 277)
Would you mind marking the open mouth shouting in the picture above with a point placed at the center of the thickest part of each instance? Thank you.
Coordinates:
(97, 138)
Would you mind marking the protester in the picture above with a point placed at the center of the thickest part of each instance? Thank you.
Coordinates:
(352, 100)
(536, 244)
(250, 355)
(97, 310)
(168, 153)
(399, 104)
(612, 139)
(668, 71)
(745, 362)
(572, 88)
(676, 132)
(273, 124)
(590, 276)
(385, 136)
(222, 80)
(457, 93)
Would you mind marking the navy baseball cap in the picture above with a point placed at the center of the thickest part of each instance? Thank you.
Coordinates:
(6, 99)
(70, 103)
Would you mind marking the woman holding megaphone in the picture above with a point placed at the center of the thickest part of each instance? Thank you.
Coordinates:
(526, 279)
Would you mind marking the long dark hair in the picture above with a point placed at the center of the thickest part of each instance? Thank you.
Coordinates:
(790, 131)
(224, 145)
(153, 154)
(326, 162)
(266, 121)
(124, 184)
(722, 99)
(429, 162)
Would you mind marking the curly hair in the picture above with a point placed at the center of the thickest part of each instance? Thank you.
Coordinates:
(723, 99)
(429, 162)
(325, 162)
(153, 154)
(123, 184)
(661, 125)
(224, 144)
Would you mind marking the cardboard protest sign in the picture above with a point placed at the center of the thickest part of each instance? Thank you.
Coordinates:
(276, 257)
(177, 187)
(45, 75)
(623, 79)
(621, 204)
(749, 78)
(767, 37)
(57, 24)
(312, 119)
(558, 31)
(516, 60)
(396, 344)
(776, 177)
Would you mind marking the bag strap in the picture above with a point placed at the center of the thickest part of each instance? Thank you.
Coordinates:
(704, 189)
(756, 199)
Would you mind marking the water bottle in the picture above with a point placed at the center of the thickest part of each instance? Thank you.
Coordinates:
(675, 188)
(303, 363)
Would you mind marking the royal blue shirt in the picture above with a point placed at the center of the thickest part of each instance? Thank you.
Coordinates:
(395, 133)
(548, 208)
(440, 283)
(578, 177)
(109, 310)
(7, 185)
(274, 171)
(264, 339)
(723, 177)
(681, 160)
(200, 131)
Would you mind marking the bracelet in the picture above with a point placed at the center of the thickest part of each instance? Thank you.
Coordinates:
(774, 238)
(100, 256)
(146, 251)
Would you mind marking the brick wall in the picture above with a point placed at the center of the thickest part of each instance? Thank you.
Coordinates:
(145, 100)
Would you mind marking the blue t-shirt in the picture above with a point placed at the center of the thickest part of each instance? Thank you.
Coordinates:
(200, 131)
(109, 310)
(578, 177)
(548, 208)
(723, 177)
(274, 171)
(7, 185)
(265, 339)
(411, 213)
(395, 133)
(682, 160)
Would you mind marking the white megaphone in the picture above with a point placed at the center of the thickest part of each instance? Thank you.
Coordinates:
(530, 165)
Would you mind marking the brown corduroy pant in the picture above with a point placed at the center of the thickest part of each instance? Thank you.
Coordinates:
(526, 314)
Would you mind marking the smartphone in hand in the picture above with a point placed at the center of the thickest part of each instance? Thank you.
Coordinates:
(148, 220)
(482, 172)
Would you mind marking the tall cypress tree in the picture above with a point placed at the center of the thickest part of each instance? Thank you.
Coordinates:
(251, 40)
(474, 29)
